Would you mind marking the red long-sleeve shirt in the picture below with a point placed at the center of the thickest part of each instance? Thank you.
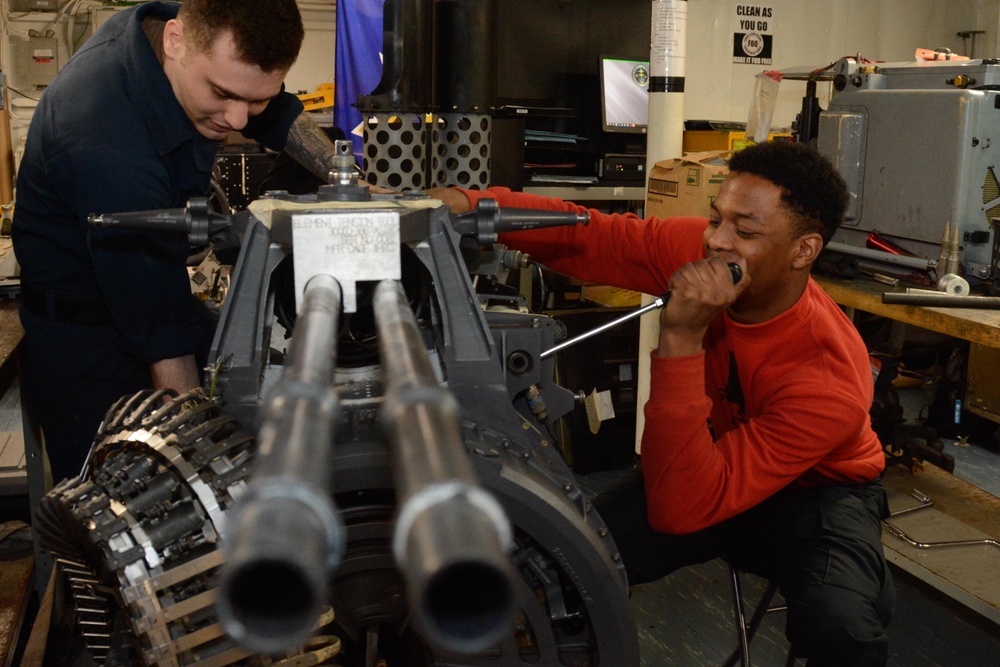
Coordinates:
(788, 399)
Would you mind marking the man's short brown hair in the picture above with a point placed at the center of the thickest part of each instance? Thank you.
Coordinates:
(267, 33)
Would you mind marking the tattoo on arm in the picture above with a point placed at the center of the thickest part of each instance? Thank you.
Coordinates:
(310, 147)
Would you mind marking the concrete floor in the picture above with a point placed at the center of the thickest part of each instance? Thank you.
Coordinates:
(687, 619)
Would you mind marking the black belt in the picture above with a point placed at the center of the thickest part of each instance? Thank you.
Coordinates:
(65, 309)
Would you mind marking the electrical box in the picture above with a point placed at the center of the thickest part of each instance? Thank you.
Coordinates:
(919, 147)
(44, 62)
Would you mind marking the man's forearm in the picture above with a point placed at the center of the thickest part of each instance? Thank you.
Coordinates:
(178, 373)
(310, 147)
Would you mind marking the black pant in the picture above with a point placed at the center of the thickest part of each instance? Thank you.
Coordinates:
(822, 546)
(71, 375)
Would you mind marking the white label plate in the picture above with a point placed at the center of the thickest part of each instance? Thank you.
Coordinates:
(350, 246)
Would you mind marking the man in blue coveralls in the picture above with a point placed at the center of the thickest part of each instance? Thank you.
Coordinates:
(133, 122)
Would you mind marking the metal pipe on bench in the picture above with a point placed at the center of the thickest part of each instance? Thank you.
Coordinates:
(941, 300)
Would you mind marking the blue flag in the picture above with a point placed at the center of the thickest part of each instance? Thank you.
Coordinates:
(359, 62)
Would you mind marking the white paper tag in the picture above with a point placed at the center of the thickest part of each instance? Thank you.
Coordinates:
(350, 246)
(599, 408)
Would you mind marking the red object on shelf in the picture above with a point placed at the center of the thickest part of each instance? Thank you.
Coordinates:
(876, 241)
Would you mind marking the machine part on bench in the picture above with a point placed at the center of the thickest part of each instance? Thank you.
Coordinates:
(894, 188)
(284, 534)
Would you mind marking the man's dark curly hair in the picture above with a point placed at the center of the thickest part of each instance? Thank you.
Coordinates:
(267, 33)
(811, 186)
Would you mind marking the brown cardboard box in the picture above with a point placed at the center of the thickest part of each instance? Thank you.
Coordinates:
(687, 185)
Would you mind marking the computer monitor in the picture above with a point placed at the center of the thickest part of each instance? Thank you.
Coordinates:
(624, 94)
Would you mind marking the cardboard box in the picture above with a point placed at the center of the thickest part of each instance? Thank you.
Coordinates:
(686, 186)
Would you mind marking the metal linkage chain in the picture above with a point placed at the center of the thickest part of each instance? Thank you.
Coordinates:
(93, 604)
(144, 525)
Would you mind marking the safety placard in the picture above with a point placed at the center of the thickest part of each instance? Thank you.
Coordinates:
(753, 38)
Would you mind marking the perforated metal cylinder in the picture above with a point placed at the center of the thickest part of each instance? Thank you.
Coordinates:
(461, 145)
(395, 156)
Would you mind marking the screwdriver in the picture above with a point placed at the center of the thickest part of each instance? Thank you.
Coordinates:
(659, 302)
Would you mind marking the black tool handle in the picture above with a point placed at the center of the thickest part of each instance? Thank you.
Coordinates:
(734, 270)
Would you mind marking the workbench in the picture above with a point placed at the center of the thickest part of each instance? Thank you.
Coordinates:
(980, 327)
(974, 325)
(959, 511)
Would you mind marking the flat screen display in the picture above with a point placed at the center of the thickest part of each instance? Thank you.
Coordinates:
(624, 94)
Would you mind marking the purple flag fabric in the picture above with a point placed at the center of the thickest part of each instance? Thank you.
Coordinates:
(359, 62)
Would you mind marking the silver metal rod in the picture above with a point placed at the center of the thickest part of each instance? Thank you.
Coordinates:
(659, 303)
(451, 537)
(285, 536)
(925, 502)
(898, 532)
(922, 290)
(886, 257)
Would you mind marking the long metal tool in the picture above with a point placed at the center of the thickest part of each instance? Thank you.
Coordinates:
(898, 532)
(659, 302)
(918, 263)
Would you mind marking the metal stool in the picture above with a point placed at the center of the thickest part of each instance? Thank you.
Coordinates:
(745, 631)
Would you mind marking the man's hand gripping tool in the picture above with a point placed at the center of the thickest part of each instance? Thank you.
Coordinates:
(658, 303)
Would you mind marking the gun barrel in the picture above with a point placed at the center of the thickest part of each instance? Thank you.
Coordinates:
(451, 537)
(285, 536)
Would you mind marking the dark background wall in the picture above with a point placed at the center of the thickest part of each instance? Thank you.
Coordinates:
(548, 54)
(545, 44)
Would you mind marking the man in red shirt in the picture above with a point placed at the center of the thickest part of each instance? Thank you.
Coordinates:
(758, 446)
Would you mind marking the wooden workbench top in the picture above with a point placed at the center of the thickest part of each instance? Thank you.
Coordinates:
(971, 324)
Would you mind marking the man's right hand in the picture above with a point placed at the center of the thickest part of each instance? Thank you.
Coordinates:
(699, 291)
(376, 189)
